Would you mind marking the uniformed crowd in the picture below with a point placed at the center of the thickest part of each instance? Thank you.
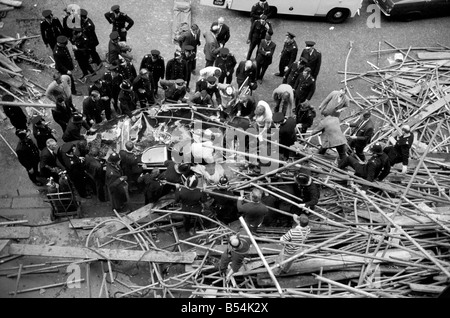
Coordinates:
(122, 88)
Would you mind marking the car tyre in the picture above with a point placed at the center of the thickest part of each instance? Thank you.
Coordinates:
(338, 15)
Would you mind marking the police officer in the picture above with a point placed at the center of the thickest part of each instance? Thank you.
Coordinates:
(64, 61)
(154, 63)
(226, 62)
(95, 169)
(286, 132)
(304, 87)
(92, 108)
(313, 57)
(287, 55)
(376, 168)
(258, 9)
(120, 21)
(307, 191)
(75, 168)
(294, 71)
(89, 31)
(81, 50)
(127, 99)
(28, 155)
(116, 183)
(189, 56)
(399, 151)
(113, 79)
(258, 31)
(176, 68)
(210, 85)
(51, 28)
(103, 88)
(15, 113)
(41, 131)
(143, 87)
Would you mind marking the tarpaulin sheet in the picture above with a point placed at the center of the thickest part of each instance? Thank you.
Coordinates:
(181, 17)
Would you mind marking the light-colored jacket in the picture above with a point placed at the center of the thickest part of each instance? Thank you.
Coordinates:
(278, 92)
(331, 103)
(332, 135)
(54, 89)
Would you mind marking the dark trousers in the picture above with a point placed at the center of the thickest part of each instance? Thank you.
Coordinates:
(282, 65)
(115, 97)
(253, 45)
(358, 148)
(123, 36)
(350, 161)
(209, 63)
(341, 149)
(33, 176)
(146, 98)
(224, 78)
(106, 106)
(187, 218)
(261, 69)
(94, 55)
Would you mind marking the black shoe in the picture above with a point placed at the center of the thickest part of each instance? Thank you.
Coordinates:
(278, 74)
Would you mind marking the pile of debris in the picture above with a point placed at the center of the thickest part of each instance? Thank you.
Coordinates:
(369, 239)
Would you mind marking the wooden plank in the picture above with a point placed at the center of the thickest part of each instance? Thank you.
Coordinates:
(336, 262)
(113, 227)
(267, 249)
(305, 280)
(433, 55)
(88, 223)
(12, 3)
(8, 64)
(97, 253)
(16, 232)
(3, 244)
(4, 8)
(426, 288)
(428, 110)
(405, 220)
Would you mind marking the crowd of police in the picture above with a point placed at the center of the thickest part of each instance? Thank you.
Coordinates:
(123, 88)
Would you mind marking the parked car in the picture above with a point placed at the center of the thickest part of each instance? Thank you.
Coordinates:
(335, 11)
(413, 9)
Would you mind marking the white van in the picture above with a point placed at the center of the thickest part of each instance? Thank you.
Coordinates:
(335, 11)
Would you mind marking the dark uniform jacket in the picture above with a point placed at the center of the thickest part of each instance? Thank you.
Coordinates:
(287, 132)
(258, 31)
(377, 168)
(129, 164)
(242, 74)
(157, 68)
(50, 31)
(102, 87)
(114, 51)
(261, 56)
(176, 69)
(363, 133)
(202, 84)
(127, 102)
(28, 153)
(16, 116)
(309, 194)
(41, 134)
(82, 53)
(253, 212)
(115, 185)
(294, 71)
(94, 169)
(314, 61)
(113, 83)
(89, 30)
(224, 208)
(305, 115)
(190, 199)
(226, 64)
(400, 152)
(289, 53)
(258, 10)
(304, 89)
(153, 187)
(73, 131)
(122, 21)
(128, 71)
(187, 38)
(92, 110)
(61, 115)
(63, 59)
(223, 35)
(49, 161)
(171, 91)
